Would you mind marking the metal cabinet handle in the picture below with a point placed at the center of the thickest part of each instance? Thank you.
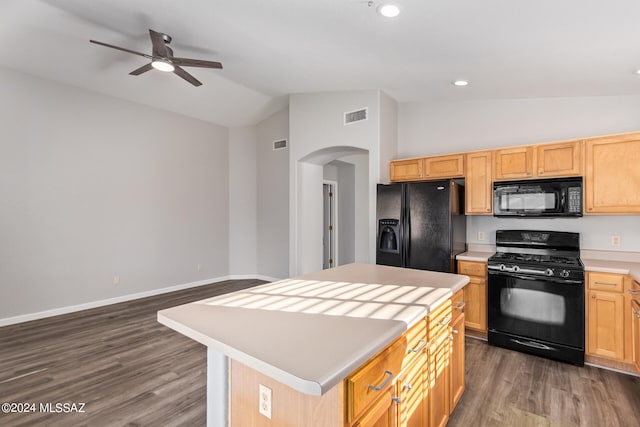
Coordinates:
(605, 283)
(419, 347)
(396, 399)
(408, 386)
(634, 292)
(445, 321)
(389, 375)
(455, 331)
(460, 305)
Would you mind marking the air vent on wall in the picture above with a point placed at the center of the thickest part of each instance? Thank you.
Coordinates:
(355, 116)
(280, 144)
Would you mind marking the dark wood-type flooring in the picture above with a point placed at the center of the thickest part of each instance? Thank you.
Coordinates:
(132, 371)
(129, 369)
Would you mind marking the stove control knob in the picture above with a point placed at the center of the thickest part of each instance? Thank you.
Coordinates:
(548, 272)
(564, 273)
(516, 269)
(503, 267)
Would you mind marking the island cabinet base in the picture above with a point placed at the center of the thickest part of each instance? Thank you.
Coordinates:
(289, 407)
(415, 381)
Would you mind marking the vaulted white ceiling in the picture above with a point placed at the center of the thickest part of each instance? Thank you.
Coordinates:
(273, 48)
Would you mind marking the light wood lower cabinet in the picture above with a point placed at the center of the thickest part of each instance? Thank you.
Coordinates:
(456, 358)
(381, 414)
(605, 315)
(411, 395)
(475, 294)
(635, 319)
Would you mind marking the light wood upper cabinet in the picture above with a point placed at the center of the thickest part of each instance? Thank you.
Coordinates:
(406, 170)
(514, 163)
(563, 159)
(478, 190)
(444, 166)
(612, 175)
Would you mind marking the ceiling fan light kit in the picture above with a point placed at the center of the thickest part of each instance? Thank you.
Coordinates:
(163, 65)
(162, 58)
(388, 10)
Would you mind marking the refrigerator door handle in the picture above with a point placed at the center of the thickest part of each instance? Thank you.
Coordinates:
(406, 225)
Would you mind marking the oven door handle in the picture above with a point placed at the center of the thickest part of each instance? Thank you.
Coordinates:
(540, 277)
(532, 344)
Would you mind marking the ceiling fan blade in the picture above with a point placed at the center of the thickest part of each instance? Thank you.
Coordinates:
(160, 47)
(186, 62)
(143, 69)
(188, 77)
(121, 48)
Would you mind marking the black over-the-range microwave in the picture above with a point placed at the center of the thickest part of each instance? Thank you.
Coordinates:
(557, 197)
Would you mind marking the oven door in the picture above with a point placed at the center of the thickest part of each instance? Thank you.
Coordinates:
(545, 309)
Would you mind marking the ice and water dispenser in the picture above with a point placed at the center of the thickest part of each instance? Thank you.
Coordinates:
(388, 235)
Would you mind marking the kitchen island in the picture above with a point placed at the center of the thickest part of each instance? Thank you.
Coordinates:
(306, 335)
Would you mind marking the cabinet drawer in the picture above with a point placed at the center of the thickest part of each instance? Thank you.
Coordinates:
(415, 343)
(439, 320)
(606, 282)
(472, 268)
(374, 379)
(457, 304)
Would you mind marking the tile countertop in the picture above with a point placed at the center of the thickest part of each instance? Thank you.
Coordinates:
(311, 331)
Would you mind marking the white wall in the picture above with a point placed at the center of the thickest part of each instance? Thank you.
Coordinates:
(242, 201)
(388, 143)
(317, 125)
(436, 128)
(272, 174)
(92, 187)
(361, 229)
(441, 128)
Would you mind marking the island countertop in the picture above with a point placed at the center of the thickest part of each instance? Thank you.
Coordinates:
(311, 331)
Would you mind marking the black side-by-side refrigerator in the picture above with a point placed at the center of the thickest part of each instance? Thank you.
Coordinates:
(421, 225)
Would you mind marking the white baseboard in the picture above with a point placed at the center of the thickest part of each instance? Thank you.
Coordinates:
(252, 277)
(94, 304)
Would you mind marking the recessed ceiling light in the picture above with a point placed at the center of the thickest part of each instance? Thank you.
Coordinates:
(389, 10)
(461, 83)
(638, 71)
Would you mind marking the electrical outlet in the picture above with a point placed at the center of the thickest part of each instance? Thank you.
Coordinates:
(264, 401)
(116, 280)
(615, 240)
(480, 235)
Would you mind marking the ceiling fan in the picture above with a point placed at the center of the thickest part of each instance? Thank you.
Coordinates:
(162, 58)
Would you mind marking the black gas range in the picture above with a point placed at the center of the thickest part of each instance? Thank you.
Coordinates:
(536, 294)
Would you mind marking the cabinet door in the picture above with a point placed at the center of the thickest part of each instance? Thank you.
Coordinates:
(444, 166)
(406, 170)
(605, 324)
(457, 362)
(410, 390)
(479, 183)
(439, 382)
(635, 311)
(612, 175)
(381, 414)
(475, 304)
(564, 159)
(514, 163)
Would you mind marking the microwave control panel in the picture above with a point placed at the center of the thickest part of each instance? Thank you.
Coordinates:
(575, 199)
